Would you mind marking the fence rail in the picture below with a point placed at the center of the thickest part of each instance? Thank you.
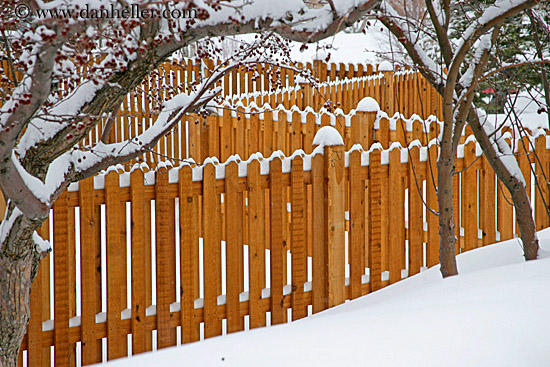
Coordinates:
(197, 250)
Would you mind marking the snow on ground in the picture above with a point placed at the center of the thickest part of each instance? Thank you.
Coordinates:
(495, 313)
(373, 47)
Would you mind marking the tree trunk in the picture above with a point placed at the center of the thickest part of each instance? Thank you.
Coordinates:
(19, 262)
(524, 218)
(518, 192)
(447, 238)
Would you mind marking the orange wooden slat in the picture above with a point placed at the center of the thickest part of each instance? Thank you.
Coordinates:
(278, 313)
(298, 239)
(115, 274)
(319, 286)
(397, 213)
(166, 260)
(432, 256)
(416, 232)
(90, 251)
(256, 244)
(470, 198)
(357, 225)
(190, 331)
(139, 259)
(375, 216)
(234, 249)
(61, 281)
(212, 252)
(334, 223)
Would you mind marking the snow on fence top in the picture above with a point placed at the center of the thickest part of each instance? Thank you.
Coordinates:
(296, 88)
(326, 137)
(385, 66)
(368, 104)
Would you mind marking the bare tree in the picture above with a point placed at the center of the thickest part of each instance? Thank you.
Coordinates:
(456, 85)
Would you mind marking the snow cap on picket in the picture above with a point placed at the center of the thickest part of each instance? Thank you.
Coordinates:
(320, 54)
(328, 136)
(368, 104)
(385, 66)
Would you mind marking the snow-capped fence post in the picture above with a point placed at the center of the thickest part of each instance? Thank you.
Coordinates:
(386, 68)
(362, 124)
(330, 140)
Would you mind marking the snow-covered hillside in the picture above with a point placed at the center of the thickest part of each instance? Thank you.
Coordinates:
(495, 313)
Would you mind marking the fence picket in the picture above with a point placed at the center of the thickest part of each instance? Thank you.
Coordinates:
(212, 252)
(320, 299)
(357, 225)
(469, 197)
(61, 281)
(541, 190)
(397, 222)
(278, 249)
(139, 249)
(90, 252)
(256, 244)
(189, 240)
(234, 247)
(115, 275)
(375, 216)
(298, 240)
(166, 260)
(432, 255)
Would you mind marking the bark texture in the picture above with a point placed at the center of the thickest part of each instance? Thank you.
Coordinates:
(517, 189)
(447, 238)
(19, 260)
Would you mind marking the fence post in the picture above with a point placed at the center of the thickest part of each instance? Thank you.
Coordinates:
(333, 151)
(362, 125)
(388, 103)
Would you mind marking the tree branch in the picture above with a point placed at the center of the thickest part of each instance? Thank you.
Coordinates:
(466, 105)
(543, 74)
(419, 60)
(442, 38)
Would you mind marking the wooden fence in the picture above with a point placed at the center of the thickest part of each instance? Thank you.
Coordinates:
(248, 130)
(197, 250)
(345, 85)
(403, 91)
(245, 130)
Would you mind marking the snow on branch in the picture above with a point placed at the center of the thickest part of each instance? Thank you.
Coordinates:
(484, 45)
(503, 151)
(408, 32)
(491, 16)
(55, 119)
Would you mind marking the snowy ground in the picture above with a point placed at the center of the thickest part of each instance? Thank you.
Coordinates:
(374, 47)
(495, 313)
